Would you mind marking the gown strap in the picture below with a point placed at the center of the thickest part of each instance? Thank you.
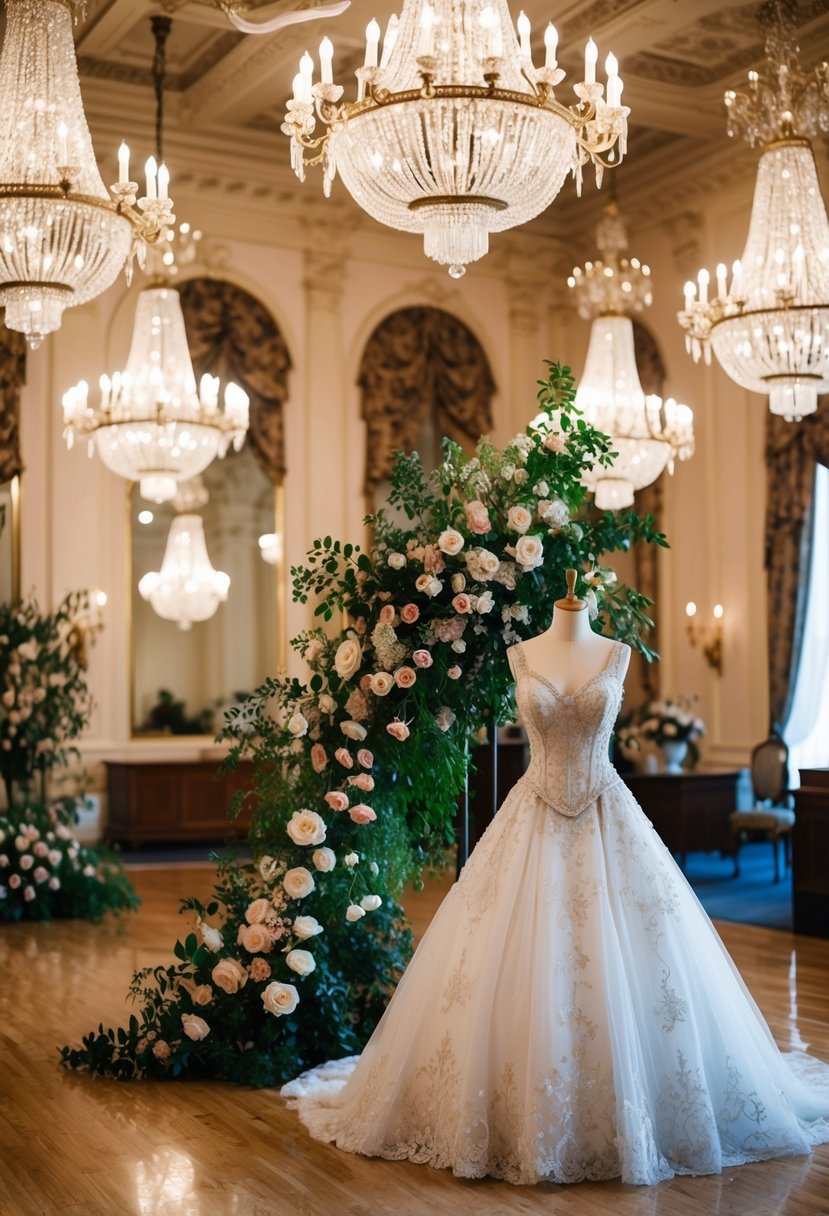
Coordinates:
(516, 659)
(619, 660)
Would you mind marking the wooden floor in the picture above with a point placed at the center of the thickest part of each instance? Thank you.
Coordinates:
(75, 1146)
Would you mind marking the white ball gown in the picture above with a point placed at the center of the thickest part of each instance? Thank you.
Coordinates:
(571, 1012)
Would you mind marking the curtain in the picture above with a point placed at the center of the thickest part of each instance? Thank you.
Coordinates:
(807, 731)
(233, 336)
(793, 449)
(418, 360)
(12, 378)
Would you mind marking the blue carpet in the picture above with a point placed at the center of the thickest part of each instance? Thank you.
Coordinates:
(754, 898)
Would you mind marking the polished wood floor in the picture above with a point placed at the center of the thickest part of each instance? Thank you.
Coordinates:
(75, 1146)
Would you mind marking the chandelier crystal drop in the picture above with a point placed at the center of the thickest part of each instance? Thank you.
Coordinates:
(63, 240)
(151, 423)
(455, 133)
(648, 433)
(186, 588)
(767, 320)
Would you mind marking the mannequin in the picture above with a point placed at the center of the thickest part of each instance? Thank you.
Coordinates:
(570, 653)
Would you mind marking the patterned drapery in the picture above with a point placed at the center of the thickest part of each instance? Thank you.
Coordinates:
(233, 336)
(416, 360)
(793, 449)
(12, 378)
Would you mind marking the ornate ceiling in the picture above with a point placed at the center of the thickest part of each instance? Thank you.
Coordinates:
(227, 90)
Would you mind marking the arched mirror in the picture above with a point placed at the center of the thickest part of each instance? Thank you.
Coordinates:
(12, 378)
(184, 679)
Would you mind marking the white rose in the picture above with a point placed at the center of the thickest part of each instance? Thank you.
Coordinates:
(327, 703)
(375, 869)
(306, 827)
(354, 912)
(351, 859)
(353, 730)
(279, 999)
(450, 542)
(300, 961)
(519, 519)
(348, 658)
(267, 867)
(541, 489)
(381, 684)
(529, 552)
(371, 902)
(194, 1027)
(458, 583)
(298, 882)
(396, 560)
(484, 602)
(306, 926)
(324, 859)
(298, 725)
(482, 564)
(459, 646)
(212, 938)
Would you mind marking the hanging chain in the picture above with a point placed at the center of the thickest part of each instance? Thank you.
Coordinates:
(161, 27)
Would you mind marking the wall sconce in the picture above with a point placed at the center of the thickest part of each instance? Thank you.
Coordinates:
(708, 637)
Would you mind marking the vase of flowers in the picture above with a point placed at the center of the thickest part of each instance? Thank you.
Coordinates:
(674, 728)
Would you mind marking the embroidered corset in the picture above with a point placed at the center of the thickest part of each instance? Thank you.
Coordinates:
(569, 734)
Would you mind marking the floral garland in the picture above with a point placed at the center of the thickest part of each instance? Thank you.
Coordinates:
(45, 871)
(358, 769)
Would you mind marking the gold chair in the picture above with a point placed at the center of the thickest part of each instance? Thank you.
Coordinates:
(772, 818)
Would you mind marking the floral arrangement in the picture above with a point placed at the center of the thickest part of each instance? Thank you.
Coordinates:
(669, 722)
(359, 767)
(44, 705)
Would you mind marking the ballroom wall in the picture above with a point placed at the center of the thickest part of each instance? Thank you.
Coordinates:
(328, 283)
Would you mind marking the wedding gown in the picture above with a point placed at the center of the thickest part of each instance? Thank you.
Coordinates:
(571, 1012)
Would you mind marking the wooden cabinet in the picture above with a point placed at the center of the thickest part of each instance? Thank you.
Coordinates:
(690, 811)
(168, 801)
(810, 849)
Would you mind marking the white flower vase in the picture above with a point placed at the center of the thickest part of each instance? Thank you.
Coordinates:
(674, 752)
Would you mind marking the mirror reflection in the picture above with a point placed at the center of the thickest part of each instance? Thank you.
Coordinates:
(185, 677)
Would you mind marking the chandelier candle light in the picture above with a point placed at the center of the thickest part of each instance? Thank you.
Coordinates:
(151, 424)
(647, 432)
(455, 133)
(63, 240)
(769, 325)
(186, 588)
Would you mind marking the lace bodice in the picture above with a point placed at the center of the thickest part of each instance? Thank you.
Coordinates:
(569, 734)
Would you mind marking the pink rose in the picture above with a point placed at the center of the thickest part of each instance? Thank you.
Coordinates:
(337, 800)
(29, 893)
(387, 615)
(409, 613)
(41, 849)
(398, 730)
(257, 911)
(40, 874)
(14, 881)
(363, 781)
(405, 677)
(255, 938)
(260, 969)
(462, 603)
(422, 658)
(362, 813)
(365, 757)
(454, 672)
(344, 756)
(319, 760)
(365, 682)
(433, 559)
(555, 442)
(477, 518)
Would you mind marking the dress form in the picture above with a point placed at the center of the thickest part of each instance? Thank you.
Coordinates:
(569, 652)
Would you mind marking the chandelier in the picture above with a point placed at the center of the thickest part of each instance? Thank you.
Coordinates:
(769, 325)
(647, 432)
(455, 133)
(62, 238)
(186, 588)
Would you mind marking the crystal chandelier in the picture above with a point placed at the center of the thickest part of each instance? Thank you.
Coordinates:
(186, 588)
(455, 133)
(769, 326)
(647, 432)
(151, 424)
(62, 239)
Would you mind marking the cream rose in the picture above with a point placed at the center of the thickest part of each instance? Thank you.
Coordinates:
(211, 937)
(458, 583)
(255, 938)
(306, 926)
(300, 961)
(229, 975)
(482, 565)
(348, 658)
(519, 519)
(202, 994)
(450, 542)
(354, 912)
(351, 859)
(324, 860)
(298, 725)
(257, 911)
(327, 703)
(280, 999)
(381, 684)
(306, 827)
(353, 730)
(337, 800)
(371, 902)
(484, 603)
(396, 560)
(554, 512)
(529, 552)
(194, 1027)
(298, 882)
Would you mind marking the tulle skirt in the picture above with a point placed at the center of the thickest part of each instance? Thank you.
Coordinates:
(570, 1014)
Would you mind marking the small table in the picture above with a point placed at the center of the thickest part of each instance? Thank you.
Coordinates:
(690, 811)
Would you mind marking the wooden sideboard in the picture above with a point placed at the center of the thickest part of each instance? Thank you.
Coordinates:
(810, 849)
(690, 811)
(173, 800)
